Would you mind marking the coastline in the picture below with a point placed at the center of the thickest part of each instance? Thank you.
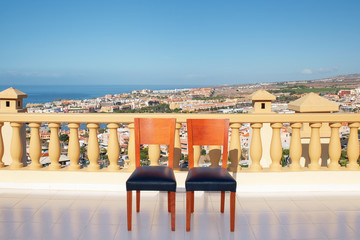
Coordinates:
(49, 93)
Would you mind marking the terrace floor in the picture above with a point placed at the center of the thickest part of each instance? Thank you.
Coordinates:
(35, 214)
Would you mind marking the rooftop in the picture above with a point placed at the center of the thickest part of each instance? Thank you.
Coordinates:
(262, 95)
(43, 214)
(312, 102)
(12, 93)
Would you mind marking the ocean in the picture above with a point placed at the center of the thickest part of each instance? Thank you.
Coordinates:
(49, 93)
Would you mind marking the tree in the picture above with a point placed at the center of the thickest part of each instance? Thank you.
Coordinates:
(284, 159)
(144, 153)
(343, 159)
(64, 138)
(82, 151)
(203, 152)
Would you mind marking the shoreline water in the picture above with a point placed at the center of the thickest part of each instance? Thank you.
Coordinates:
(50, 93)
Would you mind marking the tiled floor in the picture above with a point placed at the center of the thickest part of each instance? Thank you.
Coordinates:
(26, 214)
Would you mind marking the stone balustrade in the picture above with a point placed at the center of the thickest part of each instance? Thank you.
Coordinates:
(256, 121)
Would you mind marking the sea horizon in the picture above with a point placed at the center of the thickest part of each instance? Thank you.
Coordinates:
(50, 93)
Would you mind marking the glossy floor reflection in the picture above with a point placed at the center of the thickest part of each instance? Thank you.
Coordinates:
(26, 214)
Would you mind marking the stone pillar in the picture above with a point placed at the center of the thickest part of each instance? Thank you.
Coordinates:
(276, 148)
(215, 155)
(74, 146)
(54, 146)
(11, 101)
(113, 147)
(315, 146)
(177, 145)
(93, 150)
(256, 147)
(235, 147)
(196, 155)
(154, 154)
(35, 146)
(131, 147)
(295, 147)
(1, 146)
(16, 147)
(334, 147)
(353, 147)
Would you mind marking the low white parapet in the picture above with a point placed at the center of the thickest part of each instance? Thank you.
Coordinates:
(265, 181)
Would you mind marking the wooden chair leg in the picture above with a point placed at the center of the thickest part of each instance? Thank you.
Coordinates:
(188, 210)
(129, 209)
(169, 201)
(137, 201)
(232, 211)
(192, 201)
(173, 201)
(222, 204)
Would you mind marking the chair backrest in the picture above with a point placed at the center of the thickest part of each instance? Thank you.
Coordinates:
(155, 131)
(207, 132)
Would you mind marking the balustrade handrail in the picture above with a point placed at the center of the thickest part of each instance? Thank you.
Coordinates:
(181, 117)
(296, 120)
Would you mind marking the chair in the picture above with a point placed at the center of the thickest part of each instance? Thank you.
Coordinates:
(209, 132)
(153, 178)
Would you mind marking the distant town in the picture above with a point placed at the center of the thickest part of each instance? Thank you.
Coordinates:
(343, 90)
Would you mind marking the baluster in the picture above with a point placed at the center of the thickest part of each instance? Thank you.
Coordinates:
(196, 155)
(74, 146)
(1, 146)
(295, 147)
(93, 150)
(275, 147)
(235, 147)
(256, 147)
(214, 155)
(16, 148)
(113, 147)
(315, 146)
(35, 146)
(54, 146)
(334, 147)
(353, 147)
(177, 146)
(154, 154)
(131, 147)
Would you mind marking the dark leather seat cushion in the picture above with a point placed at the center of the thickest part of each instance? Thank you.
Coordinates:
(210, 179)
(152, 178)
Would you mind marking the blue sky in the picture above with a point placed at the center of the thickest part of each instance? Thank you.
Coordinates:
(176, 42)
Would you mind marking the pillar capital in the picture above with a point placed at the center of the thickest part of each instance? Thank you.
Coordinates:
(16, 124)
(92, 125)
(235, 125)
(354, 124)
(276, 125)
(256, 125)
(315, 125)
(34, 125)
(54, 125)
(74, 125)
(296, 125)
(113, 125)
(335, 125)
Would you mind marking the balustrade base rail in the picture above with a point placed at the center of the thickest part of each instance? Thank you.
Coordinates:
(265, 181)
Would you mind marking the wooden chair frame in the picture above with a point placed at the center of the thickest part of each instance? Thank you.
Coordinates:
(211, 136)
(153, 131)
